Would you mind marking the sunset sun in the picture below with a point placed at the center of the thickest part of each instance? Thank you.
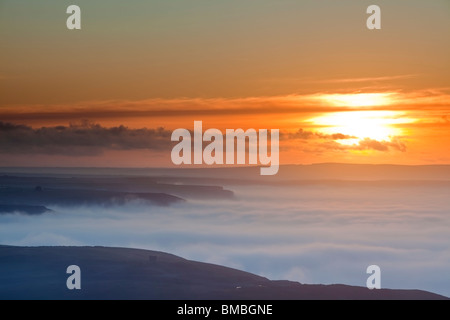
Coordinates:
(376, 125)
(358, 123)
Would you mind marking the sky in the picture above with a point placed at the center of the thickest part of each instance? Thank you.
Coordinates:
(112, 93)
(337, 91)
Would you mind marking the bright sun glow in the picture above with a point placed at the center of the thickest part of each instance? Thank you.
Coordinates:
(376, 125)
(358, 99)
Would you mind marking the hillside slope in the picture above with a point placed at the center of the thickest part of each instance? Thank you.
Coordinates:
(121, 273)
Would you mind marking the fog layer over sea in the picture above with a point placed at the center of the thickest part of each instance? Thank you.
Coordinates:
(314, 232)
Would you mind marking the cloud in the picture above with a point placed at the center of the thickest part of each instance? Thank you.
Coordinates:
(368, 79)
(367, 144)
(167, 108)
(85, 138)
(303, 106)
(47, 239)
(89, 139)
(306, 135)
(330, 142)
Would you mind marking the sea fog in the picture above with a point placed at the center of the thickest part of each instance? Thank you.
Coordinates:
(321, 232)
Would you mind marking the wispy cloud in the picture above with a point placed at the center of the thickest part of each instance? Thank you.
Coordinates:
(167, 108)
(395, 144)
(368, 79)
(306, 104)
(306, 135)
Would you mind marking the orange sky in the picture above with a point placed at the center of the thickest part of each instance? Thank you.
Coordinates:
(337, 91)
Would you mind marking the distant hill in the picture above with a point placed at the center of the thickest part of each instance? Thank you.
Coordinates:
(322, 171)
(99, 188)
(121, 273)
(79, 197)
(25, 209)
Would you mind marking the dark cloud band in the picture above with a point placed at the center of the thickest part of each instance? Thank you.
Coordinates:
(85, 138)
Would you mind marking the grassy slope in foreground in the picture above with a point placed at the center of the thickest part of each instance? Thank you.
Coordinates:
(121, 273)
